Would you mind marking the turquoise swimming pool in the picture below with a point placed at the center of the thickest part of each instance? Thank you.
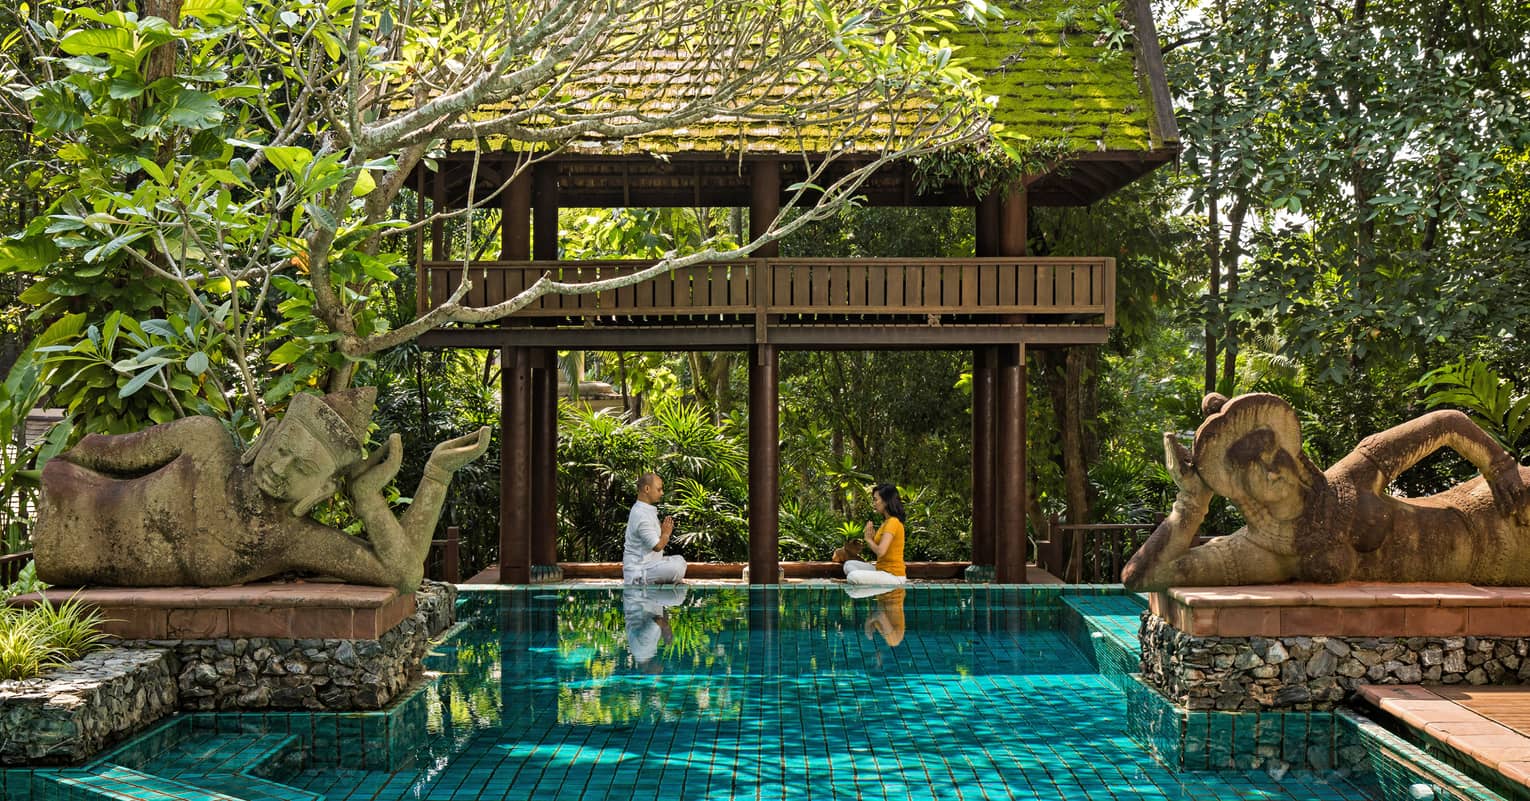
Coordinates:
(939, 692)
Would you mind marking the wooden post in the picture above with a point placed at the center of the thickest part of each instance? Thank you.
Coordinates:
(764, 467)
(544, 220)
(544, 460)
(1009, 481)
(451, 556)
(438, 226)
(984, 369)
(987, 219)
(515, 211)
(515, 466)
(764, 203)
(1014, 217)
(421, 275)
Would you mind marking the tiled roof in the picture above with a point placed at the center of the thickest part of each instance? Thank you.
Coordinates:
(1050, 63)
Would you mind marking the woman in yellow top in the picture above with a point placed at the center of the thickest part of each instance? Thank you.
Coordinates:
(886, 542)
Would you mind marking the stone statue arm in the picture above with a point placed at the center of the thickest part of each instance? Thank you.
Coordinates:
(152, 448)
(1167, 557)
(1400, 447)
(402, 543)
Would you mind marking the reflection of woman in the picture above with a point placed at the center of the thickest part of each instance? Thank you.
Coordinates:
(887, 620)
(1339, 525)
(886, 542)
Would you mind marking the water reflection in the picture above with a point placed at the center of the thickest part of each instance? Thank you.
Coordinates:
(649, 654)
(646, 611)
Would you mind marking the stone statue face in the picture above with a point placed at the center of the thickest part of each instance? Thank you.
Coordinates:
(1267, 475)
(293, 465)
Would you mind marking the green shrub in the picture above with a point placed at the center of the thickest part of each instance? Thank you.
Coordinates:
(46, 636)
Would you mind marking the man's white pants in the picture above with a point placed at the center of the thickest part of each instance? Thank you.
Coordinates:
(664, 570)
(858, 572)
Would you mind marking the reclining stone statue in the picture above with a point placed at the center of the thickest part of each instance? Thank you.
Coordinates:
(1341, 524)
(177, 504)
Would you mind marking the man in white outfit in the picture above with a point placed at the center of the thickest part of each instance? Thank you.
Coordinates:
(643, 559)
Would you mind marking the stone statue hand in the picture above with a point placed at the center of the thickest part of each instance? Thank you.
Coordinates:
(454, 453)
(1177, 459)
(1510, 494)
(377, 470)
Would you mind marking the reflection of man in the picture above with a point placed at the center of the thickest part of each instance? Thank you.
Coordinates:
(887, 620)
(643, 559)
(178, 504)
(645, 610)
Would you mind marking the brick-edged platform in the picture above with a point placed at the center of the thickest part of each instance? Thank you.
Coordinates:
(1350, 610)
(288, 610)
(1463, 721)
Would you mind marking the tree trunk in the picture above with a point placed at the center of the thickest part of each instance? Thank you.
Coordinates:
(1075, 464)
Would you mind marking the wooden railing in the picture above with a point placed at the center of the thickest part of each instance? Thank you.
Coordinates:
(796, 287)
(1091, 553)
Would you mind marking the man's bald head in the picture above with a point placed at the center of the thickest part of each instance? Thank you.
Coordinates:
(650, 488)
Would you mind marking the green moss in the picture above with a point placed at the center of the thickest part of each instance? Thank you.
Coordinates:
(1048, 62)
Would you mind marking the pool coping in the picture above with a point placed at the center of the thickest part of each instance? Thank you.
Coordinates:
(1496, 747)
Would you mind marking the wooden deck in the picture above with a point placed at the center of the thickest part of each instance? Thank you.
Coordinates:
(1489, 725)
(804, 301)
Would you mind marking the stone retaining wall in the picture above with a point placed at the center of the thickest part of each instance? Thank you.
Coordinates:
(67, 715)
(1315, 672)
(315, 674)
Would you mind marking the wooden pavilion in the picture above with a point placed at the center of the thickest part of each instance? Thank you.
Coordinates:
(1058, 83)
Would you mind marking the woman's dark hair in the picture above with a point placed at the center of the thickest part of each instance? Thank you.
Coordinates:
(889, 495)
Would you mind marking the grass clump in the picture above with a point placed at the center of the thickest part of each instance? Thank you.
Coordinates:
(45, 636)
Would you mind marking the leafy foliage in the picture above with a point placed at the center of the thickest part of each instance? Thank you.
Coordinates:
(1489, 398)
(45, 636)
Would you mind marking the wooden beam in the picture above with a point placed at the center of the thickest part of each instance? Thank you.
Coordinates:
(1009, 482)
(1014, 220)
(544, 458)
(764, 203)
(764, 467)
(544, 221)
(515, 466)
(741, 336)
(984, 377)
(987, 220)
(515, 218)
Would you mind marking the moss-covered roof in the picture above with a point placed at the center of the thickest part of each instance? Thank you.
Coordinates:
(1068, 73)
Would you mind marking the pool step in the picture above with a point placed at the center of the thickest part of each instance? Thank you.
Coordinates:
(1105, 630)
(232, 764)
(218, 768)
(116, 783)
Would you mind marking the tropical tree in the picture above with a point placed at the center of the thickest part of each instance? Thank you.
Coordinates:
(241, 161)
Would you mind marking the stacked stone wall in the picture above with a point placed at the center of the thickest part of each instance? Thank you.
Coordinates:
(67, 715)
(1315, 672)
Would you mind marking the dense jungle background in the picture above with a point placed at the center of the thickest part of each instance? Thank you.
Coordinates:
(1348, 226)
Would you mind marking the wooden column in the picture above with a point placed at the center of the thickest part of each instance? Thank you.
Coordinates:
(515, 210)
(544, 459)
(421, 275)
(1009, 479)
(764, 203)
(544, 218)
(987, 220)
(764, 399)
(984, 375)
(438, 226)
(515, 466)
(764, 467)
(1014, 218)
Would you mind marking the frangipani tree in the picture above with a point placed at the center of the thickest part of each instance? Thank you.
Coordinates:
(225, 172)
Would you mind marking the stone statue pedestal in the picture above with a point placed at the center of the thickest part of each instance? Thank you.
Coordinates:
(312, 646)
(288, 611)
(1311, 646)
